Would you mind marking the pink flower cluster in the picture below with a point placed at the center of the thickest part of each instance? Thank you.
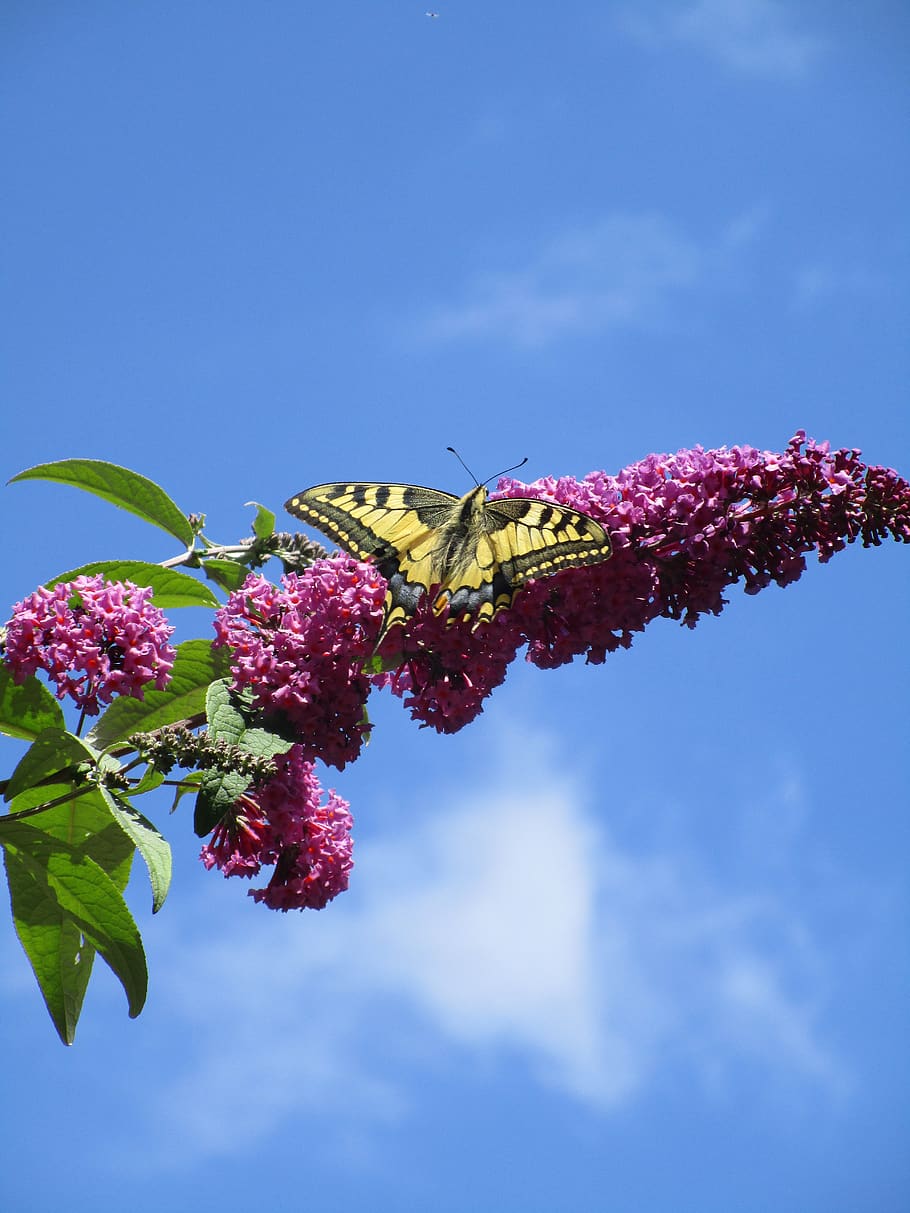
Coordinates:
(448, 671)
(283, 823)
(95, 639)
(687, 526)
(684, 528)
(301, 649)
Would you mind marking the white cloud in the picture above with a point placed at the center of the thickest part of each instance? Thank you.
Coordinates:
(820, 281)
(624, 272)
(619, 273)
(746, 228)
(507, 923)
(495, 941)
(755, 37)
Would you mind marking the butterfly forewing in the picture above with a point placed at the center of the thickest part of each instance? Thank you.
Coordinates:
(370, 519)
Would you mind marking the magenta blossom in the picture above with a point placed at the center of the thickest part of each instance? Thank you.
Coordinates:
(94, 638)
(283, 823)
(448, 671)
(301, 649)
(687, 526)
(684, 528)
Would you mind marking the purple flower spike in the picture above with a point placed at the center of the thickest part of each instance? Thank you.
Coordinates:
(684, 528)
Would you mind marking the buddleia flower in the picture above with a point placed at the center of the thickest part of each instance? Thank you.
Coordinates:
(301, 646)
(285, 823)
(94, 639)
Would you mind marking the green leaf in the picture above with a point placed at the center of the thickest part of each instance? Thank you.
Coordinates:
(264, 743)
(367, 726)
(218, 790)
(31, 798)
(151, 779)
(60, 955)
(197, 665)
(264, 522)
(66, 907)
(83, 821)
(226, 722)
(26, 710)
(373, 664)
(53, 751)
(227, 573)
(189, 786)
(149, 842)
(172, 589)
(230, 722)
(126, 489)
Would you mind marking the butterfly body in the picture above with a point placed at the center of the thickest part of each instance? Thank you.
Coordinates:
(471, 553)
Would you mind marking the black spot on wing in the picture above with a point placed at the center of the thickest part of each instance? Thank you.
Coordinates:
(495, 593)
(388, 562)
(434, 510)
(403, 593)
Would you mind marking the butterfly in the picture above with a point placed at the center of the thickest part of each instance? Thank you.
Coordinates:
(470, 553)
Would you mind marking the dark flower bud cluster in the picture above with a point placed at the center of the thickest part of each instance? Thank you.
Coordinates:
(179, 746)
(296, 551)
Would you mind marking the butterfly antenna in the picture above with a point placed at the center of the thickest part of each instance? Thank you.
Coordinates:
(464, 465)
(514, 468)
(506, 471)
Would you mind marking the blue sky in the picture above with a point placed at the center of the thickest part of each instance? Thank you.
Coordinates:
(636, 938)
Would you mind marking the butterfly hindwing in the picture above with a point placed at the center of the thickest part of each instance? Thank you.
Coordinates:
(524, 538)
(475, 553)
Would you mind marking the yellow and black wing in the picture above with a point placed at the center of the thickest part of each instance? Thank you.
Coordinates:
(397, 526)
(367, 520)
(473, 552)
